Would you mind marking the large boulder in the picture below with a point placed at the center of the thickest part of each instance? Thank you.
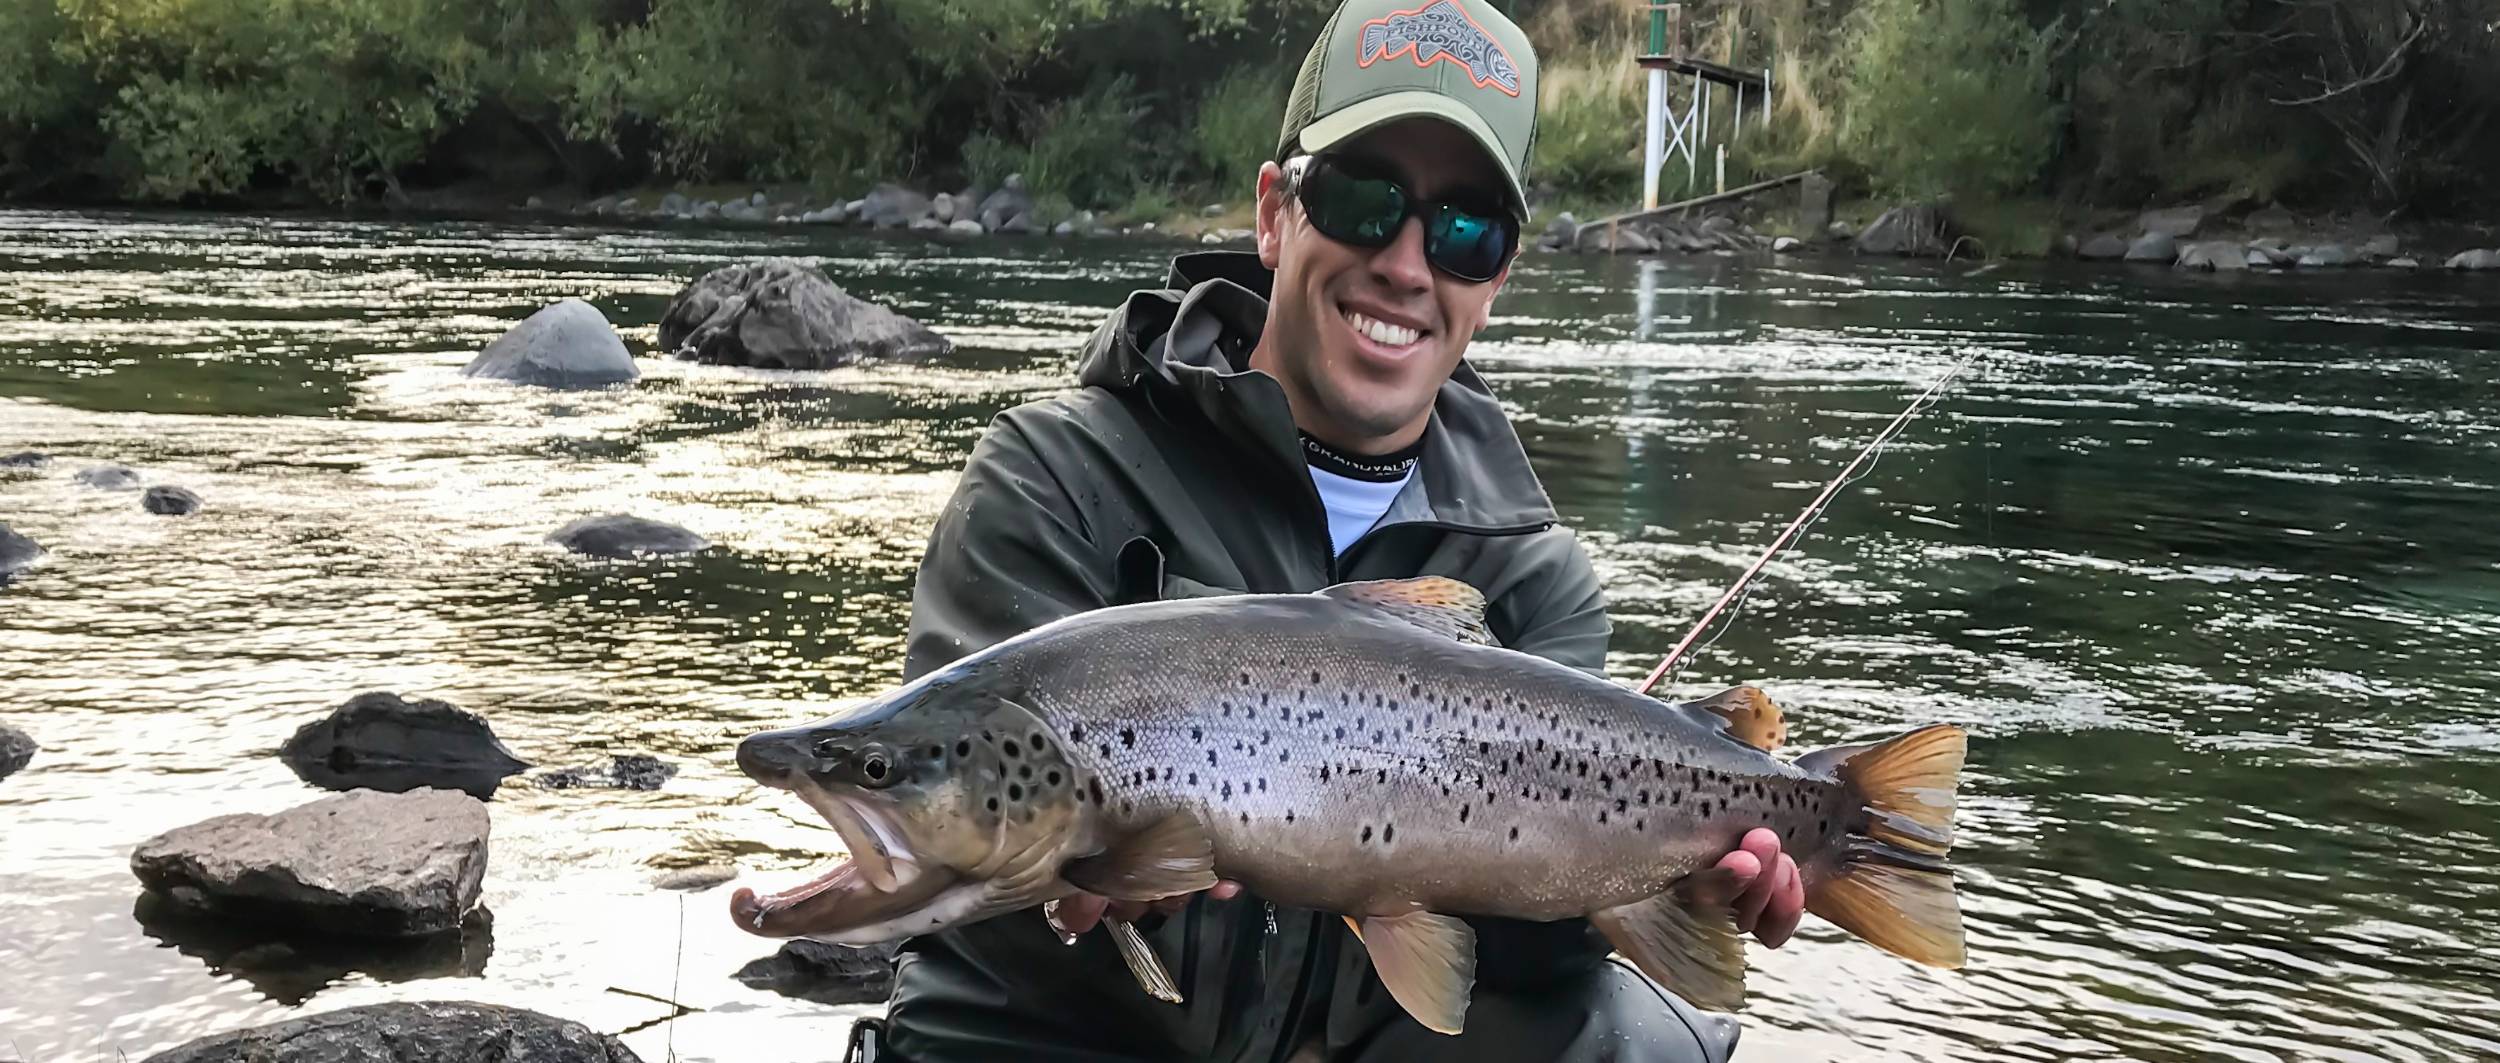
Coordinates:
(2107, 247)
(2329, 256)
(1559, 233)
(2382, 247)
(825, 974)
(2221, 256)
(17, 552)
(1617, 240)
(2178, 223)
(168, 501)
(16, 750)
(2483, 258)
(891, 206)
(566, 345)
(360, 864)
(1009, 202)
(779, 313)
(618, 535)
(2154, 247)
(413, 1032)
(380, 741)
(108, 477)
(1919, 230)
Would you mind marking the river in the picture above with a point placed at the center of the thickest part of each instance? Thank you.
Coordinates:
(2206, 563)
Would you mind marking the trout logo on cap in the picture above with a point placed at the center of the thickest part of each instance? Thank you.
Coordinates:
(1440, 30)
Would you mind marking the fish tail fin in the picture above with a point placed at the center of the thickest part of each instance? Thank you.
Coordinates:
(1888, 881)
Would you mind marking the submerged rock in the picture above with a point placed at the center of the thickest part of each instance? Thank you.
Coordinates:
(2328, 256)
(1010, 202)
(618, 535)
(825, 974)
(379, 741)
(567, 345)
(26, 459)
(631, 771)
(363, 864)
(2106, 247)
(779, 313)
(168, 501)
(2154, 248)
(291, 967)
(2222, 256)
(17, 749)
(108, 477)
(1920, 230)
(891, 206)
(17, 552)
(2382, 246)
(2485, 258)
(414, 1032)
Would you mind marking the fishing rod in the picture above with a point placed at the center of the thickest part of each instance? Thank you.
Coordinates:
(1813, 512)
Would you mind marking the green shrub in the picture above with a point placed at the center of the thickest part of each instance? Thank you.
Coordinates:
(1948, 97)
(1237, 123)
(1088, 148)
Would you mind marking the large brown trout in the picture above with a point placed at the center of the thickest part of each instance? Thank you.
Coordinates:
(1364, 750)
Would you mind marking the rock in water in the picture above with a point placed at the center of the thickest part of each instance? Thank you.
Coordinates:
(363, 864)
(417, 1032)
(1559, 233)
(169, 501)
(618, 535)
(379, 741)
(892, 206)
(779, 313)
(1011, 201)
(566, 345)
(631, 771)
(1921, 230)
(2104, 248)
(2328, 256)
(1786, 244)
(26, 459)
(2178, 223)
(825, 974)
(2485, 258)
(17, 552)
(16, 749)
(2157, 247)
(2382, 246)
(2216, 256)
(109, 477)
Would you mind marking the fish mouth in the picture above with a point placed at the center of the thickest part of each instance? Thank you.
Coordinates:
(878, 881)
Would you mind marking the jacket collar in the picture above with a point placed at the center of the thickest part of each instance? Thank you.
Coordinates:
(1187, 344)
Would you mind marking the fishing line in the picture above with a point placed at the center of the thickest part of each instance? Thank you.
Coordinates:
(1869, 457)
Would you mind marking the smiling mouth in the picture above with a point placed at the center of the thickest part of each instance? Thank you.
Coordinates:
(1392, 337)
(879, 880)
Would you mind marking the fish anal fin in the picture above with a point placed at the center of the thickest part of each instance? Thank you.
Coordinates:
(1686, 938)
(1438, 604)
(1749, 715)
(1909, 912)
(1142, 961)
(1170, 857)
(1426, 961)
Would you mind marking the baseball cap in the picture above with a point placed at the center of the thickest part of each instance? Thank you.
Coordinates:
(1378, 61)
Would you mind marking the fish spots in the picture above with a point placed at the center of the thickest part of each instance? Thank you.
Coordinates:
(1094, 786)
(1462, 812)
(963, 747)
(1106, 751)
(1383, 774)
(1040, 744)
(1015, 791)
(1284, 756)
(1566, 793)
(1012, 749)
(1323, 773)
(1379, 736)
(1601, 817)
(1514, 834)
(1052, 779)
(1210, 758)
(1388, 834)
(992, 804)
(1675, 797)
(1263, 784)
(1128, 737)
(1641, 825)
(1245, 818)
(1076, 733)
(1197, 734)
(1341, 732)
(1622, 805)
(1367, 834)
(1315, 678)
(1024, 771)
(1228, 789)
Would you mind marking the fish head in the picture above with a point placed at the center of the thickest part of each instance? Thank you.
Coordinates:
(956, 804)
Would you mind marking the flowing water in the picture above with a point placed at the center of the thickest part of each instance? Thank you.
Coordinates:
(2206, 563)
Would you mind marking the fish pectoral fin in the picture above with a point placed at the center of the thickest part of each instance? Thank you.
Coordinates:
(1685, 938)
(1748, 714)
(1142, 961)
(1170, 857)
(1427, 962)
(1437, 604)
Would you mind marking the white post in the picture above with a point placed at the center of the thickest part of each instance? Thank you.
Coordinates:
(1653, 140)
(1766, 96)
(1723, 168)
(1739, 132)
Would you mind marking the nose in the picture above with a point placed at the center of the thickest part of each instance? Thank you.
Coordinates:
(1401, 265)
(771, 756)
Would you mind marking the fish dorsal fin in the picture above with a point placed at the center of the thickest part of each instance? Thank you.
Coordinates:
(1748, 714)
(1426, 961)
(1685, 938)
(1438, 604)
(1172, 856)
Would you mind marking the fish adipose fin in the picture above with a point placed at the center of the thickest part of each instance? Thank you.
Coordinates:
(1685, 938)
(1436, 604)
(1888, 881)
(1748, 715)
(1142, 961)
(1427, 962)
(1171, 857)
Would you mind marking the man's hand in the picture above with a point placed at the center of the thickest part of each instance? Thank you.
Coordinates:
(1770, 902)
(1077, 913)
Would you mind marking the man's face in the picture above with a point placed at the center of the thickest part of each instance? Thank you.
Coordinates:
(1361, 339)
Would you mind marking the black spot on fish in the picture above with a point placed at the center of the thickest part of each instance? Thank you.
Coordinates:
(1128, 737)
(963, 747)
(1051, 779)
(1341, 732)
(1210, 758)
(1566, 793)
(1379, 736)
(1284, 756)
(1094, 786)
(1384, 776)
(1605, 780)
(1644, 799)
(1197, 734)
(1012, 749)
(1263, 784)
(1015, 791)
(1025, 772)
(1823, 826)
(1601, 816)
(1228, 790)
(1584, 769)
(1323, 773)
(1076, 733)
(1040, 744)
(1514, 834)
(1388, 834)
(1621, 805)
(1483, 748)
(1462, 813)
(1315, 677)
(1245, 817)
(1228, 710)
(1245, 679)
(1414, 690)
(1676, 798)
(1288, 815)
(1367, 833)
(1106, 751)
(993, 804)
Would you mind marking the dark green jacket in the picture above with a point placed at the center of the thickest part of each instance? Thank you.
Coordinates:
(1175, 471)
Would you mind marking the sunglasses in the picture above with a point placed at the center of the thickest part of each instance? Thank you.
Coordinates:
(1352, 201)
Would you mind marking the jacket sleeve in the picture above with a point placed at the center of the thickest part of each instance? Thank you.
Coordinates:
(1010, 553)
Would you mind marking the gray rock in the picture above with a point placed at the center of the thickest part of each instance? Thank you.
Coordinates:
(1211, 210)
(780, 313)
(2107, 247)
(1010, 200)
(1015, 226)
(2272, 220)
(1065, 228)
(17, 552)
(824, 973)
(2067, 246)
(675, 203)
(630, 771)
(707, 210)
(2382, 246)
(1559, 232)
(617, 535)
(1786, 244)
(108, 477)
(855, 211)
(1617, 240)
(1814, 203)
(2154, 247)
(380, 741)
(168, 501)
(2260, 258)
(742, 212)
(16, 750)
(1920, 230)
(533, 203)
(629, 206)
(965, 227)
(362, 864)
(1840, 230)
(2479, 259)
(26, 459)
(417, 1032)
(696, 879)
(758, 199)
(566, 345)
(942, 207)
(927, 225)
(2178, 223)
(2214, 256)
(2403, 262)
(2328, 256)
(891, 206)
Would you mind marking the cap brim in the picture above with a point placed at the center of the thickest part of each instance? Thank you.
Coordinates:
(1355, 119)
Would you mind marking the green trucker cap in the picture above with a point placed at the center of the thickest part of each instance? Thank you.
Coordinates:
(1378, 61)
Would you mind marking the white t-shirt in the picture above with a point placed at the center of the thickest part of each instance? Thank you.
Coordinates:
(1354, 505)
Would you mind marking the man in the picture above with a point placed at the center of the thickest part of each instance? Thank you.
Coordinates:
(1280, 422)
